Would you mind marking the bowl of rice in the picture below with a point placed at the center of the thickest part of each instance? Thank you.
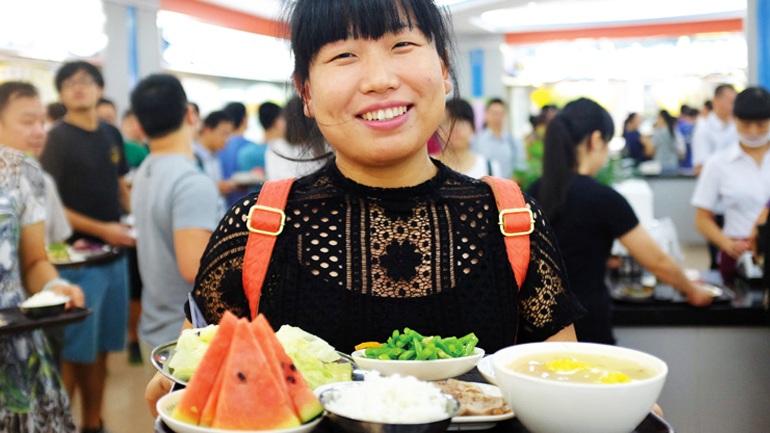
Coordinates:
(44, 304)
(393, 404)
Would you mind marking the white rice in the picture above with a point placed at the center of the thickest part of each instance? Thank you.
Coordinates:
(45, 298)
(393, 400)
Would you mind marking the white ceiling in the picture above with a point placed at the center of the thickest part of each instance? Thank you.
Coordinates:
(510, 16)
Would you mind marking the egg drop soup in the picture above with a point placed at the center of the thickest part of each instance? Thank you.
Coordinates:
(581, 368)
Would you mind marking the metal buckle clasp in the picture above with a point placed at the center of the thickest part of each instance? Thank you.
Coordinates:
(266, 209)
(505, 212)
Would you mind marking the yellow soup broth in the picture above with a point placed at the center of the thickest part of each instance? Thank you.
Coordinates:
(581, 368)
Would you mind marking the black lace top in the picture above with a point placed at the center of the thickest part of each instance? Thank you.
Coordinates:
(355, 262)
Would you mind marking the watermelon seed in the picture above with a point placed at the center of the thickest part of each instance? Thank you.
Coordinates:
(290, 379)
(241, 377)
(293, 368)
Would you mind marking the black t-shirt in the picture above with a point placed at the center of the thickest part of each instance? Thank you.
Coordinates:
(594, 216)
(86, 166)
(355, 263)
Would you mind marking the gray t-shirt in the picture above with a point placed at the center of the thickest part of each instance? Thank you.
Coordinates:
(169, 193)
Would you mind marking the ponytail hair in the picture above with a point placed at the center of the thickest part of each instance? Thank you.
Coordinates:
(670, 121)
(571, 127)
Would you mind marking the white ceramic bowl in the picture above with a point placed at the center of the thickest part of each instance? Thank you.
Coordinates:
(486, 369)
(548, 406)
(168, 402)
(436, 369)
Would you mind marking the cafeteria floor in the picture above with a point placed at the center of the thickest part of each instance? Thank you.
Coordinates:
(125, 410)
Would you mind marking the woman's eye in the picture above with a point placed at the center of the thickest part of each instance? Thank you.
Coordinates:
(343, 56)
(402, 44)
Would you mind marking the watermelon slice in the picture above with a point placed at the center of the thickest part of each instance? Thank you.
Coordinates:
(250, 396)
(212, 399)
(275, 367)
(305, 402)
(193, 401)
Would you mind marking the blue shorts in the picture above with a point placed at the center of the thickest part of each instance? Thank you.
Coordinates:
(106, 290)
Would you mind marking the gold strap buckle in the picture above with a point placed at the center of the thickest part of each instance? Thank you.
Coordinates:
(513, 211)
(266, 209)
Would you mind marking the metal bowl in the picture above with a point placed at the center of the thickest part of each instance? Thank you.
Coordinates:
(350, 425)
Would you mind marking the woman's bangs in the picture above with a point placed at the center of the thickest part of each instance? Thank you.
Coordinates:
(337, 20)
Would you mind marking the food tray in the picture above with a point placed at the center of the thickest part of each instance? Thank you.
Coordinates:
(651, 424)
(664, 294)
(17, 322)
(93, 256)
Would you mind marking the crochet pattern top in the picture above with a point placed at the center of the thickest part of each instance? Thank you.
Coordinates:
(355, 263)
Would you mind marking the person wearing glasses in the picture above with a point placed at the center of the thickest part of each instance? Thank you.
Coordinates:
(86, 158)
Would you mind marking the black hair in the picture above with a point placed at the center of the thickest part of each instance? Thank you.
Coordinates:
(237, 113)
(669, 119)
(15, 89)
(708, 105)
(195, 107)
(540, 119)
(571, 127)
(315, 23)
(722, 88)
(72, 68)
(215, 118)
(55, 110)
(628, 121)
(128, 112)
(105, 101)
(752, 104)
(694, 112)
(495, 101)
(268, 113)
(460, 109)
(160, 104)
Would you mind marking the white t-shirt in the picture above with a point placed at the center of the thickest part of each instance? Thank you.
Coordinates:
(482, 168)
(733, 179)
(277, 166)
(57, 227)
(710, 137)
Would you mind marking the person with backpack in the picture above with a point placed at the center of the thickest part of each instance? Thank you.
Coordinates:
(587, 217)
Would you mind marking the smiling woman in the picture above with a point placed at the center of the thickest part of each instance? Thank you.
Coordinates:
(384, 237)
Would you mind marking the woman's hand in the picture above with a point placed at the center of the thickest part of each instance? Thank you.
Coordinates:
(699, 296)
(658, 411)
(75, 293)
(736, 247)
(158, 386)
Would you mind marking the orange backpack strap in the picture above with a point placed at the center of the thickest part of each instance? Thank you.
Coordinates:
(516, 223)
(265, 222)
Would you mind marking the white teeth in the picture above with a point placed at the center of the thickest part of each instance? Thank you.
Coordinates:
(387, 114)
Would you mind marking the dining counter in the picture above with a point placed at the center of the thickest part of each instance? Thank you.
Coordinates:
(717, 356)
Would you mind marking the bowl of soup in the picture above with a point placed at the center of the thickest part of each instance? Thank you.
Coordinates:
(556, 387)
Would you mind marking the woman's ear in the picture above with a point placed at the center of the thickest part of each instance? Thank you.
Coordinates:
(596, 141)
(445, 73)
(304, 94)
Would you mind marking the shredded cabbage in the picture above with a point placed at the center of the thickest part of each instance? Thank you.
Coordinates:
(190, 347)
(313, 357)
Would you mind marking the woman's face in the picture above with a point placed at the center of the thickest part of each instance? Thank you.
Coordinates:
(460, 136)
(377, 102)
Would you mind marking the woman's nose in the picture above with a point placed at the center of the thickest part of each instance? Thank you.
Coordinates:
(378, 75)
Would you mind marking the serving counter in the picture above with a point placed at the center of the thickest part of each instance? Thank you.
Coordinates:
(719, 379)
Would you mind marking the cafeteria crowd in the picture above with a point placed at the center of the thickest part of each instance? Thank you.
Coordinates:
(156, 183)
